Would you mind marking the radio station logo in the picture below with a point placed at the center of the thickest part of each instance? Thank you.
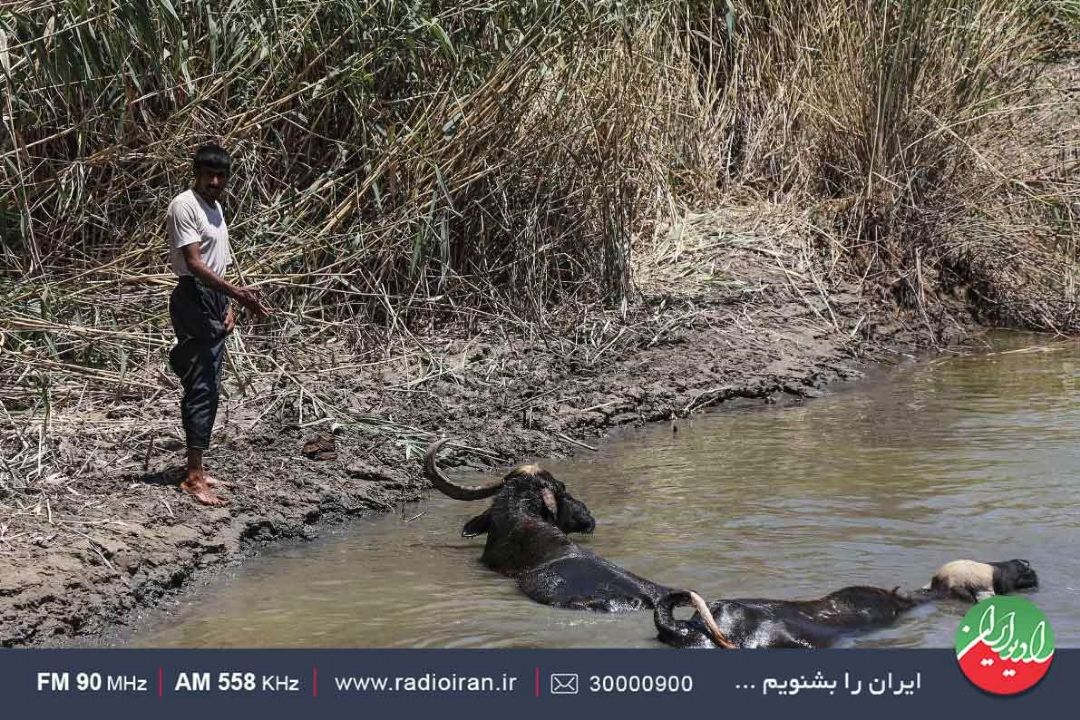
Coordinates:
(1004, 645)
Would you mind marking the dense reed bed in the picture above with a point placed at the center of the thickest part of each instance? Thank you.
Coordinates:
(409, 166)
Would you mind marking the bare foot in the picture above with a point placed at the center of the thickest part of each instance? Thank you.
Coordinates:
(198, 486)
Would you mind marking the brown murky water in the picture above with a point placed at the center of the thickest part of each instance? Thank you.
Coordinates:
(879, 483)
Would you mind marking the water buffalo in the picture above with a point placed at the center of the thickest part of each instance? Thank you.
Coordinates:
(527, 524)
(973, 581)
(757, 623)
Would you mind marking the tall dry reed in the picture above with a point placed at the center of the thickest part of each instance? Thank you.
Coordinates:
(398, 163)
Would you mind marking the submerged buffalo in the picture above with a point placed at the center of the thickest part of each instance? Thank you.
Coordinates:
(527, 524)
(759, 623)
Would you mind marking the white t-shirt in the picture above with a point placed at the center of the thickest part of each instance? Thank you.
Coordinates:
(192, 220)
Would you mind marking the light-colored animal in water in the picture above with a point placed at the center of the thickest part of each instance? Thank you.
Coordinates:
(973, 580)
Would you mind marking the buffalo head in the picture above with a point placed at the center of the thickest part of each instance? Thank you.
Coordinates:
(1012, 575)
(526, 492)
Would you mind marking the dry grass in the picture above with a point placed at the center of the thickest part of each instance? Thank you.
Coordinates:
(404, 165)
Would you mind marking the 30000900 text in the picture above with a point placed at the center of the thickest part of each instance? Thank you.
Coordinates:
(641, 683)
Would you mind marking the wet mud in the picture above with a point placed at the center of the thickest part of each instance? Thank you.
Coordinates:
(131, 540)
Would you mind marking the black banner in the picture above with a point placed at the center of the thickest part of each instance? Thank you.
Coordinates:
(524, 683)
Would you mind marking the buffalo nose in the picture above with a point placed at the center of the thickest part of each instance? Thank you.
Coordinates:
(590, 526)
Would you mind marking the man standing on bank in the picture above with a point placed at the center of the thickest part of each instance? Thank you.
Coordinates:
(199, 307)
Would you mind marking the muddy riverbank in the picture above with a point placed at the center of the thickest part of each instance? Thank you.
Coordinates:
(119, 538)
(877, 482)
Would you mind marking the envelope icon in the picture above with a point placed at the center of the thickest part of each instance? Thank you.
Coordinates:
(564, 683)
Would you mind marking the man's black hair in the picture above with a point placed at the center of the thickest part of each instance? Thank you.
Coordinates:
(212, 157)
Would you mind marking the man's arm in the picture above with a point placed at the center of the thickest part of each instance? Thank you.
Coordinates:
(247, 297)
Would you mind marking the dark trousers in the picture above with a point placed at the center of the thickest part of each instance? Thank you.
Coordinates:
(198, 317)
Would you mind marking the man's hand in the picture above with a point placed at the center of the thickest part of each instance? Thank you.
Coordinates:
(252, 301)
(230, 321)
(248, 297)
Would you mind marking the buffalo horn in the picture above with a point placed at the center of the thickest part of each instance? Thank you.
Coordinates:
(706, 617)
(448, 486)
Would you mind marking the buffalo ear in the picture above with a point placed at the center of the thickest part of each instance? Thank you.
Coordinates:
(478, 525)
